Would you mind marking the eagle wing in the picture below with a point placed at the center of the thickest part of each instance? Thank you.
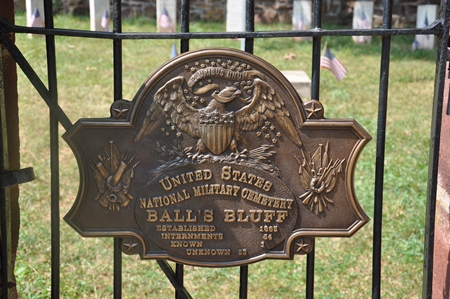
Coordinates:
(266, 104)
(169, 103)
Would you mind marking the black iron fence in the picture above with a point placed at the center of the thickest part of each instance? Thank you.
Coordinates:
(439, 28)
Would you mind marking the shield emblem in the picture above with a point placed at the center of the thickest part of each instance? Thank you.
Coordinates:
(216, 130)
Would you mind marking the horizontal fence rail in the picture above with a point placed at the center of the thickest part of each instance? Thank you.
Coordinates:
(435, 28)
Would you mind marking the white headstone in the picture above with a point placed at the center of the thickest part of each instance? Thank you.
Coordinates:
(301, 17)
(362, 19)
(300, 81)
(166, 15)
(426, 14)
(35, 14)
(236, 17)
(100, 15)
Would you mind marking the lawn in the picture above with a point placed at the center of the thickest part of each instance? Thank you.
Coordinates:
(343, 265)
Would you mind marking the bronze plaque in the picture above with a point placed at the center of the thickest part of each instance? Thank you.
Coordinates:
(216, 162)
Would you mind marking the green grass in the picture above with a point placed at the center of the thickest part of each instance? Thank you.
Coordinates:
(343, 266)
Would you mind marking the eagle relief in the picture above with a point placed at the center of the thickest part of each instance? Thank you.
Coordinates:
(217, 162)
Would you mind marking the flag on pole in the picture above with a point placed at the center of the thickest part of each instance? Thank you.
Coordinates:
(365, 24)
(36, 20)
(425, 23)
(416, 45)
(164, 20)
(301, 22)
(174, 51)
(105, 20)
(329, 61)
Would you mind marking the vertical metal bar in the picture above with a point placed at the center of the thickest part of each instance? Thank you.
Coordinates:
(179, 277)
(316, 49)
(117, 61)
(184, 47)
(249, 24)
(185, 8)
(249, 47)
(315, 86)
(310, 258)
(243, 279)
(441, 63)
(54, 153)
(117, 268)
(380, 152)
(117, 49)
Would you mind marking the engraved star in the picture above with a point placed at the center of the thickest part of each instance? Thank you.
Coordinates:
(264, 128)
(278, 134)
(203, 65)
(168, 122)
(219, 60)
(178, 134)
(202, 100)
(229, 61)
(130, 246)
(163, 129)
(258, 133)
(301, 246)
(224, 64)
(213, 63)
(196, 63)
(193, 69)
(267, 123)
(313, 110)
(267, 136)
(185, 91)
(172, 128)
(186, 66)
(272, 127)
(121, 112)
(274, 140)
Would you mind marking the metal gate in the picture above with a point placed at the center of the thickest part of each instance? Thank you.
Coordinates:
(439, 28)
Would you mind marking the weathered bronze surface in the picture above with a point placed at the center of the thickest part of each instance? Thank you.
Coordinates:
(217, 162)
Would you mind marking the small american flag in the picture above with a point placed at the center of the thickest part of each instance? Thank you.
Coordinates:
(416, 45)
(164, 20)
(36, 20)
(301, 22)
(329, 61)
(105, 20)
(364, 21)
(174, 51)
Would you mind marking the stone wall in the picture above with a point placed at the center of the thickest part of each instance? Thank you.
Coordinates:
(266, 11)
